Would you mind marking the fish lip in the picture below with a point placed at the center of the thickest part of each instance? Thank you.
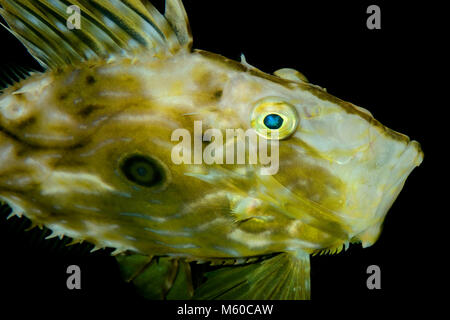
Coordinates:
(411, 157)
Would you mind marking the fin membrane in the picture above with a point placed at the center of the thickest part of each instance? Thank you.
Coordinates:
(282, 277)
(106, 28)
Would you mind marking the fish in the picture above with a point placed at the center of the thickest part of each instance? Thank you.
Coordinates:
(98, 148)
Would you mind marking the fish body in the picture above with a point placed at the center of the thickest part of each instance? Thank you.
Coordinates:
(87, 149)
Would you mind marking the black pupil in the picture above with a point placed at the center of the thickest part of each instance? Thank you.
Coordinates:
(273, 121)
(143, 171)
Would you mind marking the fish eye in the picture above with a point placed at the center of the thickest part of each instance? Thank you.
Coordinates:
(273, 121)
(273, 118)
(143, 170)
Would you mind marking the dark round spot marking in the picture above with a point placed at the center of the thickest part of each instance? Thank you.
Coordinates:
(90, 80)
(143, 171)
(273, 121)
(86, 111)
(218, 94)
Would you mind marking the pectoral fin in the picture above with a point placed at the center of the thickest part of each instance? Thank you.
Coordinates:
(282, 277)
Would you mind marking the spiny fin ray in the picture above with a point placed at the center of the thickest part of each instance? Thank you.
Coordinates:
(12, 74)
(177, 17)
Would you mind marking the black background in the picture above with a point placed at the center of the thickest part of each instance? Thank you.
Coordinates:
(328, 41)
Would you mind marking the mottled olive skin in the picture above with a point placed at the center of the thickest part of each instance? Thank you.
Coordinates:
(68, 133)
(86, 147)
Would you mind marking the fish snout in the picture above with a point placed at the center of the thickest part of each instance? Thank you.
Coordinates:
(394, 173)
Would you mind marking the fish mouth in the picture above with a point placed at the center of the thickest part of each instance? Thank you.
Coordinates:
(411, 157)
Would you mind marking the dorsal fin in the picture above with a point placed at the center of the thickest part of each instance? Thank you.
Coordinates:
(107, 28)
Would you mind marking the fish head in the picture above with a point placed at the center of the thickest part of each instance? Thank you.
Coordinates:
(339, 170)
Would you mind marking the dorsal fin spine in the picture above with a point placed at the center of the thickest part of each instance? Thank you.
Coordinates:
(178, 19)
(108, 28)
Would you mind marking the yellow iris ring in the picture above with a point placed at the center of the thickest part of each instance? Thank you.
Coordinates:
(269, 106)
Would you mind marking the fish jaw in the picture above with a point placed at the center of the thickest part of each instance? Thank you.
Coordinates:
(378, 179)
(370, 160)
(340, 172)
(411, 157)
